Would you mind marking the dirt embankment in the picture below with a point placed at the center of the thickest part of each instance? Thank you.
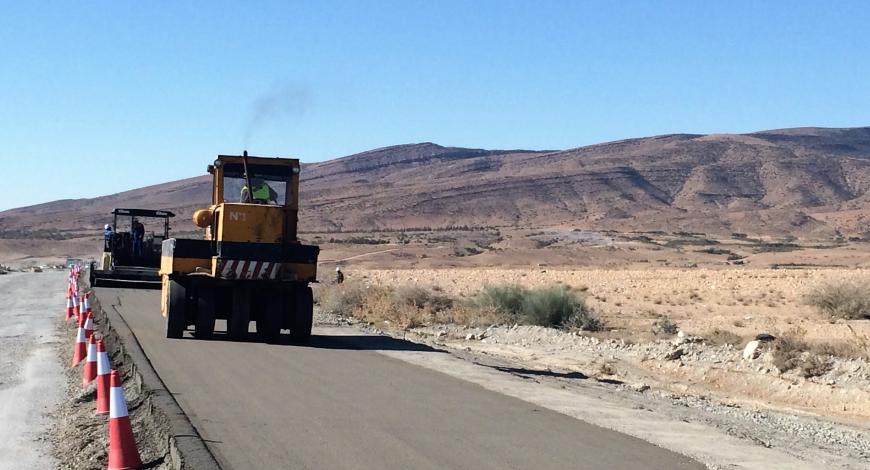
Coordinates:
(164, 437)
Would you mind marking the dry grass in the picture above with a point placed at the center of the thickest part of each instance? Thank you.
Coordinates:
(720, 336)
(791, 351)
(341, 299)
(770, 299)
(422, 298)
(409, 306)
(849, 301)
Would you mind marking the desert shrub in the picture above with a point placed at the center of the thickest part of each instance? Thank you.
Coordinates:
(440, 239)
(464, 314)
(551, 306)
(787, 351)
(584, 319)
(791, 352)
(543, 243)
(814, 366)
(719, 336)
(422, 297)
(640, 238)
(556, 306)
(360, 241)
(341, 299)
(679, 242)
(665, 326)
(857, 349)
(466, 251)
(381, 304)
(716, 251)
(849, 301)
(506, 299)
(775, 247)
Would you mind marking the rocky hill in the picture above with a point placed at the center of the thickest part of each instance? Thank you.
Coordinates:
(805, 181)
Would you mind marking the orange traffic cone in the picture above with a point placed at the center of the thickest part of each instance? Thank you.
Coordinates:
(90, 372)
(80, 348)
(76, 310)
(69, 306)
(103, 371)
(88, 324)
(123, 453)
(86, 301)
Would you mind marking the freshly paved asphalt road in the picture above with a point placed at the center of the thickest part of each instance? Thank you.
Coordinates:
(339, 404)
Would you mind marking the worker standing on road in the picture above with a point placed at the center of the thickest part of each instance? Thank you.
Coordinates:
(107, 237)
(138, 239)
(263, 193)
(339, 276)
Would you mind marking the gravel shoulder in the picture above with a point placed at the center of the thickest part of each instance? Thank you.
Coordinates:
(30, 373)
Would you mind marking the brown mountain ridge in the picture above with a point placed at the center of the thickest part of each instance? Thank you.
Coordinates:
(803, 181)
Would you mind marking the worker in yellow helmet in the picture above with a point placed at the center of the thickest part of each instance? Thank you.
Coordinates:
(263, 193)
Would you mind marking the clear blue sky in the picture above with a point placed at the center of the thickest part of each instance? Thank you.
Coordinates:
(98, 97)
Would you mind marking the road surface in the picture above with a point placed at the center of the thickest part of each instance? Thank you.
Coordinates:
(340, 404)
(31, 378)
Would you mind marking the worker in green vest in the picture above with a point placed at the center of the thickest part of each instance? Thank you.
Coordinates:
(263, 193)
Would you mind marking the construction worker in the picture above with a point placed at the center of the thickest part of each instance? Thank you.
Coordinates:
(263, 193)
(138, 239)
(339, 276)
(107, 236)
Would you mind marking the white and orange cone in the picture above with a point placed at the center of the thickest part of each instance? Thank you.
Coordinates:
(76, 307)
(123, 453)
(90, 371)
(86, 301)
(103, 371)
(80, 348)
(88, 324)
(69, 306)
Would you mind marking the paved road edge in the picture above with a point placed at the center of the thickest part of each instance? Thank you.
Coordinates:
(187, 449)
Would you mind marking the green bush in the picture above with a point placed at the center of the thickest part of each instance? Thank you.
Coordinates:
(849, 301)
(556, 306)
(551, 306)
(506, 299)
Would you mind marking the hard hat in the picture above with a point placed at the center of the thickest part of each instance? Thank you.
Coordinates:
(338, 268)
(106, 227)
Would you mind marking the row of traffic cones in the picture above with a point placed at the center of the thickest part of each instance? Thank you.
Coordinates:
(123, 453)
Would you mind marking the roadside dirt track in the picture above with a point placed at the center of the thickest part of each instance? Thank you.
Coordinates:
(30, 374)
(338, 403)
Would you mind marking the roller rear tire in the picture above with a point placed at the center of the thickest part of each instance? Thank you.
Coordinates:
(240, 316)
(302, 315)
(205, 313)
(175, 320)
(269, 324)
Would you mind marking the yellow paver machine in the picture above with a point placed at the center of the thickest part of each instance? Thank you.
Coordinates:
(249, 266)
